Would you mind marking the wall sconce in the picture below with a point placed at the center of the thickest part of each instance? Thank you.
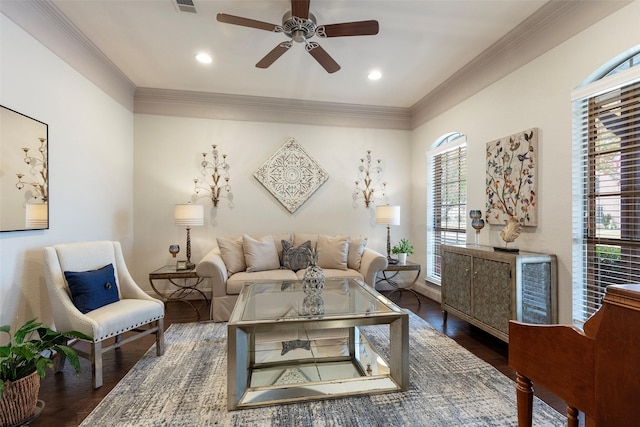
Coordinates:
(188, 215)
(216, 169)
(38, 171)
(368, 176)
(388, 215)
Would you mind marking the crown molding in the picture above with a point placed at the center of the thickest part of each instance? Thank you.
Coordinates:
(45, 22)
(264, 109)
(552, 24)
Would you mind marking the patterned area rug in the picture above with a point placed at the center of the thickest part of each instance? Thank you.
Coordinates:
(187, 387)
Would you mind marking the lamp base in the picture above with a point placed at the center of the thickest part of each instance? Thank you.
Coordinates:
(392, 261)
(190, 266)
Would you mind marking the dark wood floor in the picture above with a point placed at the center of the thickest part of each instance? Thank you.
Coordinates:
(69, 398)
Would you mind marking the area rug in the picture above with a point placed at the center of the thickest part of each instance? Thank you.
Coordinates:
(186, 386)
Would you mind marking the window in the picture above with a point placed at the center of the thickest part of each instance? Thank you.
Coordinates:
(447, 199)
(606, 204)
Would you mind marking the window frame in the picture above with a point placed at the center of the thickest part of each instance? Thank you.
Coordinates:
(448, 143)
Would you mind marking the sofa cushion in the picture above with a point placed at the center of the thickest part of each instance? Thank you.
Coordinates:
(333, 251)
(232, 254)
(300, 238)
(356, 249)
(92, 289)
(238, 280)
(260, 254)
(296, 257)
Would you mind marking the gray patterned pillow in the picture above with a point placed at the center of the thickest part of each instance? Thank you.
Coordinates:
(296, 258)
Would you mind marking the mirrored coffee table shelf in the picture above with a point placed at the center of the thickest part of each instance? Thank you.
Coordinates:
(287, 345)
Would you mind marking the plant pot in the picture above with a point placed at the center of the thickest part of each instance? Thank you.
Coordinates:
(19, 400)
(402, 258)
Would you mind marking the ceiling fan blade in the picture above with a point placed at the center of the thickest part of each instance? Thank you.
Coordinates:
(245, 22)
(276, 53)
(359, 28)
(300, 8)
(323, 58)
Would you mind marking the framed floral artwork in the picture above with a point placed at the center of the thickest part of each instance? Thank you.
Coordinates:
(512, 164)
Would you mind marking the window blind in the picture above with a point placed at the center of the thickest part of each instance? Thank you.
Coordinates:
(606, 195)
(447, 217)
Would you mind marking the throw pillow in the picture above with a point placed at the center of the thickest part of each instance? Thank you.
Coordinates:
(296, 258)
(333, 251)
(300, 238)
(356, 249)
(277, 239)
(92, 289)
(260, 254)
(232, 253)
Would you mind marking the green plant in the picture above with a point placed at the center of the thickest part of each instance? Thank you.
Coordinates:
(31, 349)
(402, 247)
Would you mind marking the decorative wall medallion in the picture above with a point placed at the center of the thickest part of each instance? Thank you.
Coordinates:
(291, 175)
(512, 164)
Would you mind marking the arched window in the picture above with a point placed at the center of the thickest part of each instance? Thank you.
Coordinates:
(606, 182)
(446, 198)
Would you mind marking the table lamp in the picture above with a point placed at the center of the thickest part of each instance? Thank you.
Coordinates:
(188, 215)
(388, 215)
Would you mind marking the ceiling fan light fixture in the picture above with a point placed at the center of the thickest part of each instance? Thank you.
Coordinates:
(204, 58)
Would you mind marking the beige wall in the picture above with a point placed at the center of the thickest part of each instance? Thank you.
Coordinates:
(90, 166)
(167, 157)
(536, 95)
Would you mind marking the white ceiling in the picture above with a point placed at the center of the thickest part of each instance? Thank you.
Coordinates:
(420, 44)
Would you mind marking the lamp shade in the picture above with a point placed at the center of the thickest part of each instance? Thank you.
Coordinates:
(388, 215)
(188, 215)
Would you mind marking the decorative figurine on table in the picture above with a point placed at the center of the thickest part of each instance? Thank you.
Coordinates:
(174, 249)
(477, 223)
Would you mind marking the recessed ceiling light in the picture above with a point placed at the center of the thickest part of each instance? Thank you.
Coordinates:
(375, 75)
(204, 58)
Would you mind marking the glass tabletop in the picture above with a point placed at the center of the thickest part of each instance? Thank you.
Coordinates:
(288, 300)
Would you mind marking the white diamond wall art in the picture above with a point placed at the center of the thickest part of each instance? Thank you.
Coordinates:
(291, 175)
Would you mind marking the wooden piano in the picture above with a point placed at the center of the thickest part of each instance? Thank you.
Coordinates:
(595, 370)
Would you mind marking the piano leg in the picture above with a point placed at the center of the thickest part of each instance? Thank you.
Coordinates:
(524, 398)
(572, 417)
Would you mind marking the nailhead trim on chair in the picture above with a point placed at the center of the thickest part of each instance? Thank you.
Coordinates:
(127, 330)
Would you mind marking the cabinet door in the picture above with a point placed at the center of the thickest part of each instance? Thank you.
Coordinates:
(456, 281)
(492, 293)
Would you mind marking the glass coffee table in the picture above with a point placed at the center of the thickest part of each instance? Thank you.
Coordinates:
(287, 344)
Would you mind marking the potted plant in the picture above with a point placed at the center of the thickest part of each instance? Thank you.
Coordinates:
(402, 249)
(23, 361)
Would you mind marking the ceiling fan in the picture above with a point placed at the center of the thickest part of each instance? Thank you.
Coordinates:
(300, 26)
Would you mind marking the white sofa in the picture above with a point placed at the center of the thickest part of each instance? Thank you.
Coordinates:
(242, 259)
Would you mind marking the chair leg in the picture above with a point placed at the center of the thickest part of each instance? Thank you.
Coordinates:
(160, 337)
(96, 364)
(58, 361)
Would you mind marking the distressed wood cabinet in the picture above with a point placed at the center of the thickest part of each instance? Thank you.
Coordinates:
(488, 288)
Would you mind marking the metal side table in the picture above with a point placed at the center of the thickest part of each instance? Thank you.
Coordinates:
(186, 282)
(393, 270)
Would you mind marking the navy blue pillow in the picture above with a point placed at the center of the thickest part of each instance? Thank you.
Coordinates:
(92, 289)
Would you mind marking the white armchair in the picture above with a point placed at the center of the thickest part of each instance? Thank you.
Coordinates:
(134, 312)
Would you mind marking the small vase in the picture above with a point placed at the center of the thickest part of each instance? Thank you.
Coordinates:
(402, 258)
(313, 279)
